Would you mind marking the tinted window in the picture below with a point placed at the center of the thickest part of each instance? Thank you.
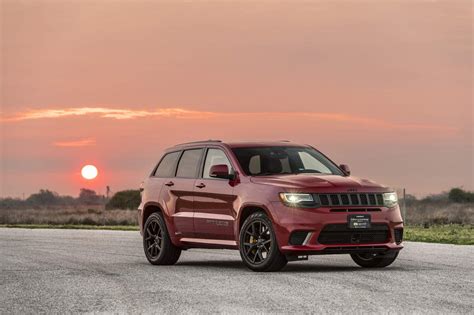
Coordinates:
(167, 165)
(214, 157)
(284, 160)
(189, 163)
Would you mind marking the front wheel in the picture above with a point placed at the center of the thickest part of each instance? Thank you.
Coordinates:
(374, 260)
(157, 244)
(258, 246)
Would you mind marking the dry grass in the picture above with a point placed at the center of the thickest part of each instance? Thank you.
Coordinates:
(440, 213)
(85, 215)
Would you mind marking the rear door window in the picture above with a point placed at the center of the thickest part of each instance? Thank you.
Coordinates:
(189, 163)
(167, 165)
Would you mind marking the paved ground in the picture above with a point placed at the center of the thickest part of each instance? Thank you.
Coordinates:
(105, 271)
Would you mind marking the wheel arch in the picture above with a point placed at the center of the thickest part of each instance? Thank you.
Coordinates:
(149, 209)
(247, 210)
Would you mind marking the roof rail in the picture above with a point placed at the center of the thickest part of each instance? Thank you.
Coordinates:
(201, 141)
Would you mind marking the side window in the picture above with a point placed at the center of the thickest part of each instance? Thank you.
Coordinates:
(189, 163)
(167, 164)
(214, 157)
(310, 163)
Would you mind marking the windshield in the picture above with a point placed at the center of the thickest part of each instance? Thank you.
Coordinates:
(261, 161)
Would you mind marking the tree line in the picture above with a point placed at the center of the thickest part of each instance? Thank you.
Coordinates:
(126, 199)
(454, 195)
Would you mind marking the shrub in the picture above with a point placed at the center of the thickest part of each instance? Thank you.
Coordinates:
(459, 195)
(126, 199)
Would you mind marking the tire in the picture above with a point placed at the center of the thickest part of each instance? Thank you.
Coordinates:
(258, 245)
(375, 260)
(157, 243)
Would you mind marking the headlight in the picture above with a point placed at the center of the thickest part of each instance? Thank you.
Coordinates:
(390, 200)
(296, 200)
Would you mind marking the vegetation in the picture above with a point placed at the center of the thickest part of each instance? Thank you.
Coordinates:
(46, 198)
(460, 196)
(77, 215)
(127, 199)
(451, 207)
(448, 234)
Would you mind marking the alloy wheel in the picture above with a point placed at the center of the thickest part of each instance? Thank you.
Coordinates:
(257, 242)
(153, 239)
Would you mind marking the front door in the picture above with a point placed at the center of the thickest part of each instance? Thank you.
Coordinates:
(214, 213)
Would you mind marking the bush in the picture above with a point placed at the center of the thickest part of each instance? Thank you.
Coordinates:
(89, 197)
(460, 196)
(126, 199)
(42, 198)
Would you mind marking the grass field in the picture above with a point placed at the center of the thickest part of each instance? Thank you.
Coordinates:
(447, 234)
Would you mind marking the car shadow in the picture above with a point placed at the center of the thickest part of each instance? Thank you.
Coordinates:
(231, 264)
(290, 268)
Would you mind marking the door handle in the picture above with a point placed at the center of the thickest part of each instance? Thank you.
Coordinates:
(201, 185)
(169, 184)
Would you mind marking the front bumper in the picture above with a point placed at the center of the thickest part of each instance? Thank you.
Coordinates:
(313, 220)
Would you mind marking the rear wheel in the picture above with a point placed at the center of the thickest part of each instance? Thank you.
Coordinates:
(258, 246)
(374, 260)
(156, 242)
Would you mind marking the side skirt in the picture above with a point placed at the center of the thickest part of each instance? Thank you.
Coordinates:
(208, 243)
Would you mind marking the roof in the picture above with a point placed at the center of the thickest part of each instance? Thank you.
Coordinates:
(247, 144)
(243, 144)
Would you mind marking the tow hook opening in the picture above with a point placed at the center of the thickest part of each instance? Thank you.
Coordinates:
(296, 257)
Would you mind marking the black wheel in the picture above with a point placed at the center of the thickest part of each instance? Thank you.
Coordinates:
(374, 260)
(258, 245)
(156, 242)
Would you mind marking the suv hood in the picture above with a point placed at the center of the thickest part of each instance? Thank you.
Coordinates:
(315, 181)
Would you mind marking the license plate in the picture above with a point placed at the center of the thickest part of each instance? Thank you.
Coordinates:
(359, 221)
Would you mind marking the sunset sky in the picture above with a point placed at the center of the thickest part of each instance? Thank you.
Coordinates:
(384, 86)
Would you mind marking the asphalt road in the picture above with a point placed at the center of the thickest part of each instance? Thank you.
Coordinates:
(57, 271)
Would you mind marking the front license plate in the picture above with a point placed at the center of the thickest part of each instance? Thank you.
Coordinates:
(359, 221)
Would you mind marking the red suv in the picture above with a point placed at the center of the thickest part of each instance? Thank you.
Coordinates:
(273, 201)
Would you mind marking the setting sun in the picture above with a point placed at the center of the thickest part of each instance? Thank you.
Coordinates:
(89, 172)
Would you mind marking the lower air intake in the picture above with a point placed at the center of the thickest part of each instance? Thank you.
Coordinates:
(398, 235)
(341, 234)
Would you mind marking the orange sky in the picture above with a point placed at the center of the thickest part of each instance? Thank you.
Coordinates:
(384, 86)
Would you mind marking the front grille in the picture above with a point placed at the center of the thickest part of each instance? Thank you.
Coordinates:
(341, 234)
(398, 235)
(358, 199)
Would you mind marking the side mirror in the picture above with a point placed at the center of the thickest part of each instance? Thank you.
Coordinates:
(220, 171)
(345, 168)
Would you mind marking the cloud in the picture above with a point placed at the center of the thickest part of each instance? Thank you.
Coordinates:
(115, 113)
(75, 143)
(179, 113)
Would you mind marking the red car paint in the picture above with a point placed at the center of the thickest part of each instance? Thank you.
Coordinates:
(208, 212)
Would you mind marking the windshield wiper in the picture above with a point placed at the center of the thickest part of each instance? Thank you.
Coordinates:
(307, 171)
(267, 174)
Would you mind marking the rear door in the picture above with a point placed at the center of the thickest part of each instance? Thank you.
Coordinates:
(178, 192)
(214, 214)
